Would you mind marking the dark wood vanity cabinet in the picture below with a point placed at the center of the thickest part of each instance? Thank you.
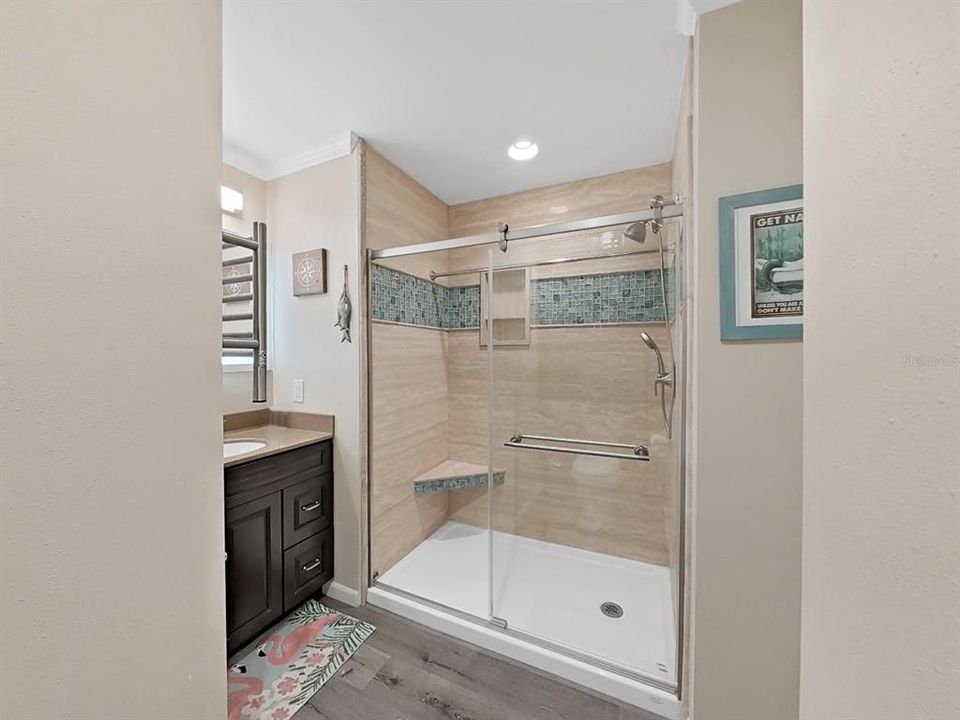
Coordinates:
(279, 536)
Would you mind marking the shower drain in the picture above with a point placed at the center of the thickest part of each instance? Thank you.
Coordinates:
(611, 609)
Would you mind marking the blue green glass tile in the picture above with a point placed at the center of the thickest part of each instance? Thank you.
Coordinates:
(593, 299)
(399, 297)
(463, 307)
(574, 300)
(402, 298)
(460, 482)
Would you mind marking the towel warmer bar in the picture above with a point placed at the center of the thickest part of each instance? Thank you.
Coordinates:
(255, 340)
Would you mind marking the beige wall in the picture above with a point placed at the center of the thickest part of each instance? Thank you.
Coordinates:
(881, 511)
(236, 382)
(602, 195)
(237, 388)
(111, 522)
(318, 207)
(747, 395)
(408, 372)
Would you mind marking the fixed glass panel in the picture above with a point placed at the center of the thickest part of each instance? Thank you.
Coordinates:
(429, 429)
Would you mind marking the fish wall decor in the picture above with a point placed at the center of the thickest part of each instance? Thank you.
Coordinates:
(344, 310)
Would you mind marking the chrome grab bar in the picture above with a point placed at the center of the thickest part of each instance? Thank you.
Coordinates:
(637, 452)
(257, 339)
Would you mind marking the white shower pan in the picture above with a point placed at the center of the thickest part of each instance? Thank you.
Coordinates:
(548, 593)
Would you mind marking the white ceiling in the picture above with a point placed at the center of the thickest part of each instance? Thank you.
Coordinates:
(443, 88)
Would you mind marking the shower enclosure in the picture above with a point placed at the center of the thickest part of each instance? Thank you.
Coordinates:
(525, 475)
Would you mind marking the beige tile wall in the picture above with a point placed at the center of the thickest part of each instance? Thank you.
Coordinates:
(401, 211)
(605, 195)
(408, 373)
(592, 383)
(409, 388)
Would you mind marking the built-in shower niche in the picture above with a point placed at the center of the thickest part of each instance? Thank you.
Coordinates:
(511, 307)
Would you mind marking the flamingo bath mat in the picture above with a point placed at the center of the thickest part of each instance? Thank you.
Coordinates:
(275, 675)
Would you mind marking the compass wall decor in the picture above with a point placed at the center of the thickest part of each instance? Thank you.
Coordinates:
(310, 272)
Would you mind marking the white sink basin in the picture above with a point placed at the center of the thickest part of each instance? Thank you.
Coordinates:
(239, 447)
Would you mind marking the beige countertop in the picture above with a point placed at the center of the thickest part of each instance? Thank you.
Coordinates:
(274, 429)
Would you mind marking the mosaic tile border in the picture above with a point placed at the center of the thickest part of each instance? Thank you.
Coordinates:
(463, 308)
(621, 297)
(460, 482)
(402, 298)
(607, 298)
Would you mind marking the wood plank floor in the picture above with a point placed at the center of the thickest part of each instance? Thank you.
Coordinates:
(408, 672)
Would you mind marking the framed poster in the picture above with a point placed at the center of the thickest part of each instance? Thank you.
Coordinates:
(761, 264)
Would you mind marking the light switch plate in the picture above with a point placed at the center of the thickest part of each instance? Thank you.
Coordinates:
(298, 391)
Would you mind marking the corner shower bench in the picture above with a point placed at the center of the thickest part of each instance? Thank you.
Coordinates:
(455, 475)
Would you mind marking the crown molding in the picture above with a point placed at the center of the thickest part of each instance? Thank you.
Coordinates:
(239, 158)
(340, 145)
(702, 7)
(686, 18)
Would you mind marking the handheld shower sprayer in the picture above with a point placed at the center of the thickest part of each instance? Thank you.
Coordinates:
(664, 379)
(650, 343)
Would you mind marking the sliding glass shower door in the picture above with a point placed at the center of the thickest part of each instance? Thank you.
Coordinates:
(581, 507)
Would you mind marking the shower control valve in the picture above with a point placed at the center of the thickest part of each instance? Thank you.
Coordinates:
(662, 380)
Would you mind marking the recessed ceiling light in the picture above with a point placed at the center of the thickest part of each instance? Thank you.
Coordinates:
(523, 150)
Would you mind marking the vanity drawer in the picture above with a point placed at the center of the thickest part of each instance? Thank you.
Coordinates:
(306, 567)
(307, 508)
(250, 480)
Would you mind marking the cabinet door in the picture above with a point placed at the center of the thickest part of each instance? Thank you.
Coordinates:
(254, 568)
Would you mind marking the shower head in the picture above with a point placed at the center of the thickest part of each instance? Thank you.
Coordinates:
(650, 343)
(636, 232)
